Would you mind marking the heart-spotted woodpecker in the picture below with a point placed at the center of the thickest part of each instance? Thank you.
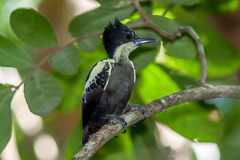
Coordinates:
(109, 84)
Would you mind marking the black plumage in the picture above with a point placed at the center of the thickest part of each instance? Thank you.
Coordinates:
(93, 91)
(110, 83)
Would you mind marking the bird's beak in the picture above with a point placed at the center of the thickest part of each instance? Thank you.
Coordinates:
(141, 41)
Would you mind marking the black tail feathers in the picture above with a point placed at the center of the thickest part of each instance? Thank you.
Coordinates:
(87, 134)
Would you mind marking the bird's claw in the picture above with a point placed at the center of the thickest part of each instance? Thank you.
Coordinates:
(136, 107)
(112, 118)
(208, 86)
(134, 126)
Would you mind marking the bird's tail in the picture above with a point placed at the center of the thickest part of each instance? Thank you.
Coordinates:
(87, 134)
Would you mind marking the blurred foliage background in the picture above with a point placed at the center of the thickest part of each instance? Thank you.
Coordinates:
(47, 125)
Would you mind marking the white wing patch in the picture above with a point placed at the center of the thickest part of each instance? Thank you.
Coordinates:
(99, 76)
(134, 71)
(109, 72)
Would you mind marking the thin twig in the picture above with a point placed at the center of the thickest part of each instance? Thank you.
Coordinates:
(85, 37)
(139, 25)
(34, 69)
(177, 33)
(45, 59)
(169, 7)
(139, 9)
(195, 94)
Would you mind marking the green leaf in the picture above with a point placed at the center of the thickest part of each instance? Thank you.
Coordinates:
(73, 143)
(43, 94)
(222, 57)
(221, 104)
(147, 7)
(5, 115)
(167, 25)
(145, 56)
(33, 28)
(104, 2)
(181, 2)
(184, 81)
(90, 44)
(1, 5)
(188, 67)
(155, 83)
(217, 6)
(13, 56)
(96, 20)
(145, 142)
(66, 60)
(230, 141)
(122, 149)
(182, 47)
(195, 119)
(231, 144)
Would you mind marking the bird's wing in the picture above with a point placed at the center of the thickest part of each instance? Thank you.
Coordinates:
(95, 85)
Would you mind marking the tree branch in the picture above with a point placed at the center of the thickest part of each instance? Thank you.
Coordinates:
(177, 33)
(195, 94)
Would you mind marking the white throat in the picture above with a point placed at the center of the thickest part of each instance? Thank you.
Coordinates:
(123, 51)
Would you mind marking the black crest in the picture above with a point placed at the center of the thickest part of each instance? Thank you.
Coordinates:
(116, 34)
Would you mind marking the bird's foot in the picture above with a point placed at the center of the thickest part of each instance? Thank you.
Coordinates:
(112, 118)
(136, 107)
(134, 126)
(210, 86)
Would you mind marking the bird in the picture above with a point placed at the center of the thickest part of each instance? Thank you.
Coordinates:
(110, 82)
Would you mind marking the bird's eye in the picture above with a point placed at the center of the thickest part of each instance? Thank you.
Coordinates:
(128, 37)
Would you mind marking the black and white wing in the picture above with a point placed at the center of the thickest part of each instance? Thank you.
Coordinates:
(95, 85)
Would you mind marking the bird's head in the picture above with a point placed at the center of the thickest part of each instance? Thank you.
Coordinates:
(119, 40)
